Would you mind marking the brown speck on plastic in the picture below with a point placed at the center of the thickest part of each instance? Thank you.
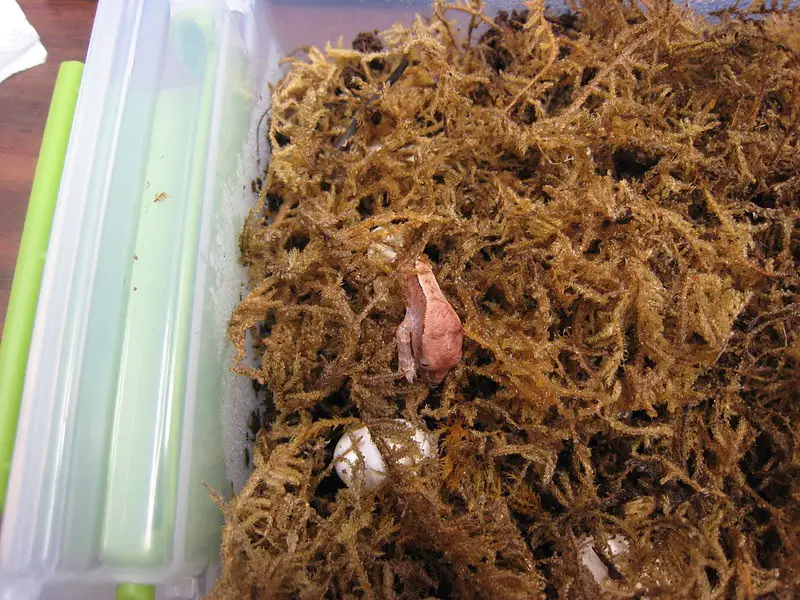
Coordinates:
(610, 201)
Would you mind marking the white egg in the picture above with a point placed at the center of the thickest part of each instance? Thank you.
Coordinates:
(386, 249)
(592, 562)
(617, 545)
(371, 466)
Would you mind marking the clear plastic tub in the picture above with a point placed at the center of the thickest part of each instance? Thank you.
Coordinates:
(120, 423)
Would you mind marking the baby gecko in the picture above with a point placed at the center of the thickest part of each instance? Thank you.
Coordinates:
(429, 338)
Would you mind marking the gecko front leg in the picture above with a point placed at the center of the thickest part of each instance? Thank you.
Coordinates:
(405, 356)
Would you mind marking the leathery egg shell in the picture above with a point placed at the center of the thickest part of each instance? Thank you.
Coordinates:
(616, 545)
(370, 465)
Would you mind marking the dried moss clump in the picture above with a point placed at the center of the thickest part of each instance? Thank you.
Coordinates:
(610, 202)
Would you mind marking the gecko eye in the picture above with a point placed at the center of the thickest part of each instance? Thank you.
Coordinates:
(424, 364)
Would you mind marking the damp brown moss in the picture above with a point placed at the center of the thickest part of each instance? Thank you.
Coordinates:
(609, 200)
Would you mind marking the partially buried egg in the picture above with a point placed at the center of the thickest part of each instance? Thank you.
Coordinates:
(616, 545)
(357, 458)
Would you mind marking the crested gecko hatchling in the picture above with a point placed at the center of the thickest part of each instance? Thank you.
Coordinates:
(429, 338)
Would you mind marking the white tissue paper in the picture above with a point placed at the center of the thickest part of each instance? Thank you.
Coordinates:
(20, 47)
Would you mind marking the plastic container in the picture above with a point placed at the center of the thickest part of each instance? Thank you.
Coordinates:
(119, 423)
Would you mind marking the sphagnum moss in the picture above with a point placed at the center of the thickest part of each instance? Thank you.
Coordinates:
(610, 202)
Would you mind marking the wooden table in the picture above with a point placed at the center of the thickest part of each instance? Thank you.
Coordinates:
(64, 27)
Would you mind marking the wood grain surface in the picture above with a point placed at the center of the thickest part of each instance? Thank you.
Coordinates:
(64, 27)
